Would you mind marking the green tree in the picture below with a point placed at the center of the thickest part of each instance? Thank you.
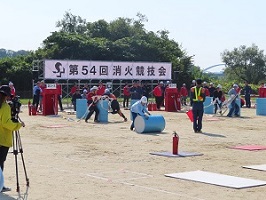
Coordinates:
(245, 64)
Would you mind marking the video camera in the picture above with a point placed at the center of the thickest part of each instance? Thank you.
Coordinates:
(15, 105)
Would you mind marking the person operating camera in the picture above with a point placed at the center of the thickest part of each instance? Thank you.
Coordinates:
(7, 126)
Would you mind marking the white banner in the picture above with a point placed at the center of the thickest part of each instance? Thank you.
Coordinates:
(63, 69)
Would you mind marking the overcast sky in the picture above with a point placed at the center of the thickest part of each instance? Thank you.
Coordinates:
(204, 28)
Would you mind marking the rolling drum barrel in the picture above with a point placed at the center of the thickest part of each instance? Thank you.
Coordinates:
(155, 123)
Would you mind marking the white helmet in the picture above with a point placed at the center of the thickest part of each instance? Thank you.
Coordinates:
(143, 99)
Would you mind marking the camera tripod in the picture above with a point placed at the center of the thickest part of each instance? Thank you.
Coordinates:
(17, 149)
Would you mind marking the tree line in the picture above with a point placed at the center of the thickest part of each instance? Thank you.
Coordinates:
(125, 39)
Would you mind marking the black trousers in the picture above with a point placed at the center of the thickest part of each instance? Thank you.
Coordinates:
(159, 101)
(125, 101)
(3, 154)
(93, 109)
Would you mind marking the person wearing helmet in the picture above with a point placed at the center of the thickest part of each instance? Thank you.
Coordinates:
(233, 93)
(92, 100)
(114, 104)
(7, 126)
(139, 108)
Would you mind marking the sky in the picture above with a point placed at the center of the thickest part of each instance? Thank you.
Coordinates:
(204, 28)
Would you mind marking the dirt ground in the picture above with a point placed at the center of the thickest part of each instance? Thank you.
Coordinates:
(79, 161)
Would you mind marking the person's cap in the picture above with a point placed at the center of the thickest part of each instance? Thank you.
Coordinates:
(184, 84)
(161, 82)
(10, 83)
(167, 82)
(235, 85)
(94, 88)
(144, 99)
(5, 89)
(193, 81)
(199, 81)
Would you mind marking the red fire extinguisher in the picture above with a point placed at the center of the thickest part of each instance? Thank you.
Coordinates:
(29, 107)
(175, 143)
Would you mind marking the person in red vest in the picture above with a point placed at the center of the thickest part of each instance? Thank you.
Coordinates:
(184, 94)
(158, 94)
(126, 93)
(114, 104)
(92, 98)
(59, 97)
(101, 89)
(74, 88)
(261, 91)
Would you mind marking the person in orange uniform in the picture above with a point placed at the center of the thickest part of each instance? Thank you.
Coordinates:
(114, 104)
(92, 104)
(197, 97)
(158, 94)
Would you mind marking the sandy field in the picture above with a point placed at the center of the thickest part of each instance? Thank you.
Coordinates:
(86, 161)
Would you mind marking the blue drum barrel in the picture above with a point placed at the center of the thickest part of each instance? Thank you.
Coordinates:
(81, 108)
(208, 106)
(155, 123)
(261, 106)
(103, 107)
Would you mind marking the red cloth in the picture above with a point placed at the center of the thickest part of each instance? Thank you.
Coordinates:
(13, 92)
(126, 91)
(157, 91)
(207, 92)
(183, 91)
(73, 90)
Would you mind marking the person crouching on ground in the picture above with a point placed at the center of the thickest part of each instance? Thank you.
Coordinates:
(92, 104)
(114, 104)
(139, 108)
(197, 96)
(7, 126)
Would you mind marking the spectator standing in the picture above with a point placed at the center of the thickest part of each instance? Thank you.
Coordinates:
(36, 94)
(126, 94)
(12, 88)
(146, 90)
(158, 94)
(74, 88)
(211, 89)
(42, 86)
(183, 94)
(136, 91)
(74, 98)
(247, 92)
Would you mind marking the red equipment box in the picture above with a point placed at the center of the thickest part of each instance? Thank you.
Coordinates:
(50, 99)
(172, 100)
